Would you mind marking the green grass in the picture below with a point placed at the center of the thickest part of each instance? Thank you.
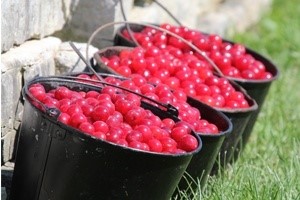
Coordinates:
(269, 167)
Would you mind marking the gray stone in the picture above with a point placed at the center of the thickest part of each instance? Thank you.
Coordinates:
(19, 65)
(23, 20)
(87, 16)
(67, 60)
(7, 147)
(11, 85)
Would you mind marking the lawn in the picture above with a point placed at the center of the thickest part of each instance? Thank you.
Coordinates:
(269, 167)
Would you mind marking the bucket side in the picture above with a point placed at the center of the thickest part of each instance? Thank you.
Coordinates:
(258, 90)
(202, 162)
(230, 143)
(32, 151)
(75, 165)
(83, 168)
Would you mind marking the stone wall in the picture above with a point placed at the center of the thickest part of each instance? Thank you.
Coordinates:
(34, 35)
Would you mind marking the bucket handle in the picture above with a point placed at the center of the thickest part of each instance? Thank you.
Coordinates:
(157, 28)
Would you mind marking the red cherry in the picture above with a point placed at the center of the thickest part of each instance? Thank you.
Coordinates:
(178, 132)
(188, 143)
(99, 134)
(114, 134)
(122, 142)
(62, 93)
(169, 145)
(76, 119)
(134, 135)
(74, 108)
(145, 131)
(101, 126)
(64, 118)
(266, 75)
(155, 145)
(168, 122)
(124, 70)
(134, 116)
(136, 145)
(202, 90)
(248, 74)
(86, 127)
(38, 92)
(101, 113)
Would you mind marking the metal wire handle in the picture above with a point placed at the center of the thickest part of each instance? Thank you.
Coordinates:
(157, 28)
(127, 25)
(85, 61)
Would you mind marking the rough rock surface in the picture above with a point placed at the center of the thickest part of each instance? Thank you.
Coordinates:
(66, 59)
(18, 65)
(22, 20)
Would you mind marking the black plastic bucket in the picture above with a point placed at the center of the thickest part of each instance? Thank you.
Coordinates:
(55, 161)
(120, 40)
(240, 119)
(258, 90)
(97, 63)
(202, 162)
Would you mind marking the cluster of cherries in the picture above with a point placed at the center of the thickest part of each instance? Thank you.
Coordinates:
(162, 93)
(231, 59)
(117, 117)
(181, 71)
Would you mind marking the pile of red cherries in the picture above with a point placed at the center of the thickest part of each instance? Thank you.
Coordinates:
(181, 71)
(117, 116)
(231, 58)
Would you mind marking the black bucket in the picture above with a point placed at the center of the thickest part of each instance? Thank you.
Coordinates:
(202, 162)
(56, 161)
(98, 65)
(120, 40)
(240, 119)
(258, 90)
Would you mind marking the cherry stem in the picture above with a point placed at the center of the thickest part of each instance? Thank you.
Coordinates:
(85, 61)
(160, 29)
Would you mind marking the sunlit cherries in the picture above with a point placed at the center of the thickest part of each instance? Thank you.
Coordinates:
(232, 59)
(117, 117)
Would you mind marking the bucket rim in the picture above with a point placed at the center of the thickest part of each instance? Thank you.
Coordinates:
(221, 133)
(271, 67)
